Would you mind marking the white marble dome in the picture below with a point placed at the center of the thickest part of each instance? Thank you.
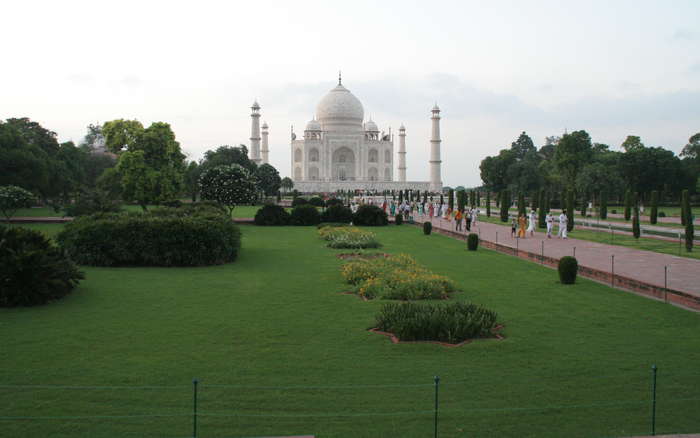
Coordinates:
(340, 106)
(313, 125)
(370, 126)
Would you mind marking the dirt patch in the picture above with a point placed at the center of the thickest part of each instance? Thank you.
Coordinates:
(396, 340)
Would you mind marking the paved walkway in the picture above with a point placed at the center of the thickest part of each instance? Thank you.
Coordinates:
(683, 274)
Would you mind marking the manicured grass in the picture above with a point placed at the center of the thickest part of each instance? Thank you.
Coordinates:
(242, 211)
(575, 361)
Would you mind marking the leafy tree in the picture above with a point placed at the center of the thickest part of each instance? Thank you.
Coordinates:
(571, 154)
(121, 134)
(570, 209)
(13, 198)
(654, 207)
(225, 155)
(522, 146)
(287, 184)
(646, 169)
(488, 203)
(631, 143)
(192, 180)
(494, 170)
(269, 179)
(229, 185)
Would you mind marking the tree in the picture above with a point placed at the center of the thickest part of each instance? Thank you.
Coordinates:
(632, 142)
(269, 179)
(571, 154)
(603, 204)
(287, 184)
(628, 204)
(570, 210)
(636, 232)
(13, 198)
(451, 199)
(541, 217)
(505, 205)
(688, 215)
(488, 203)
(224, 155)
(229, 185)
(121, 134)
(494, 170)
(654, 207)
(522, 146)
(472, 198)
(192, 180)
(521, 205)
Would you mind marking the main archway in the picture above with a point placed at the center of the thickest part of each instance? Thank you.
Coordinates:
(343, 164)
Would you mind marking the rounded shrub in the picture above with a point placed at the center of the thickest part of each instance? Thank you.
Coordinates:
(299, 201)
(337, 213)
(613, 211)
(334, 201)
(472, 241)
(370, 215)
(662, 214)
(33, 271)
(305, 215)
(398, 219)
(317, 202)
(568, 268)
(427, 228)
(165, 238)
(271, 214)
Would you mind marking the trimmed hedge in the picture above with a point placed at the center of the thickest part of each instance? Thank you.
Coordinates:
(472, 241)
(271, 214)
(568, 268)
(452, 323)
(370, 215)
(427, 228)
(317, 202)
(299, 201)
(305, 215)
(334, 201)
(398, 219)
(337, 213)
(163, 238)
(33, 270)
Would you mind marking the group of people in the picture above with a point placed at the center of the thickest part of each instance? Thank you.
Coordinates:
(517, 226)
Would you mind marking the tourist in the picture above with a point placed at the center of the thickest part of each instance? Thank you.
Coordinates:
(521, 226)
(531, 223)
(513, 227)
(549, 220)
(563, 220)
(458, 220)
(468, 216)
(475, 215)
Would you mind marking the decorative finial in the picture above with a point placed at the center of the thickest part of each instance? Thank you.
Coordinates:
(340, 78)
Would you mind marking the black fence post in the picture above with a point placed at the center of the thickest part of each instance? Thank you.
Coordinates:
(653, 400)
(194, 408)
(437, 384)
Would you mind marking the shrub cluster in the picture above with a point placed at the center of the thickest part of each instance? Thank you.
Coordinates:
(337, 213)
(299, 201)
(472, 241)
(397, 277)
(348, 237)
(398, 219)
(32, 270)
(370, 215)
(271, 214)
(334, 201)
(317, 202)
(427, 228)
(90, 203)
(164, 237)
(568, 268)
(451, 323)
(305, 214)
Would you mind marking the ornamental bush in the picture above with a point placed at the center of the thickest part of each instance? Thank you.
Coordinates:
(271, 214)
(305, 215)
(398, 219)
(12, 198)
(337, 213)
(92, 202)
(317, 202)
(662, 214)
(568, 268)
(472, 241)
(427, 228)
(452, 323)
(299, 201)
(334, 201)
(348, 237)
(33, 270)
(167, 237)
(370, 215)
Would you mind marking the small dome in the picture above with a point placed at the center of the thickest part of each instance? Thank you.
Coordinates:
(264, 125)
(436, 108)
(402, 128)
(370, 126)
(256, 105)
(340, 106)
(313, 125)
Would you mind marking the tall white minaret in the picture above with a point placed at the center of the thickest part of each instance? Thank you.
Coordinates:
(255, 133)
(265, 151)
(435, 178)
(402, 154)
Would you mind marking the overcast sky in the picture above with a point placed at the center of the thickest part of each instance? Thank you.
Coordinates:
(612, 68)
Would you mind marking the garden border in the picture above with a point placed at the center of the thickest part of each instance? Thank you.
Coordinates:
(395, 340)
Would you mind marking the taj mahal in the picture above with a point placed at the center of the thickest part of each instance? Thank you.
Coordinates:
(341, 151)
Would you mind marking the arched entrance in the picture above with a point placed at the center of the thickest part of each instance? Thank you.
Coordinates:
(343, 164)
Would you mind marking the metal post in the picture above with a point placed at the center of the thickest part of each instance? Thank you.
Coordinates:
(574, 252)
(653, 400)
(612, 276)
(542, 253)
(437, 383)
(517, 246)
(194, 408)
(496, 236)
(666, 284)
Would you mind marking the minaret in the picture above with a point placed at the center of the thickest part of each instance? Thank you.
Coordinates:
(255, 133)
(435, 178)
(402, 154)
(265, 151)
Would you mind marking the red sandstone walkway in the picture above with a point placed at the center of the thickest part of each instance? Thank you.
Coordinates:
(646, 266)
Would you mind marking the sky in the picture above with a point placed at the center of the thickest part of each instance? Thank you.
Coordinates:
(495, 69)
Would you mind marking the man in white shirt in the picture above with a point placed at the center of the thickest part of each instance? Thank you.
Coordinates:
(562, 224)
(549, 220)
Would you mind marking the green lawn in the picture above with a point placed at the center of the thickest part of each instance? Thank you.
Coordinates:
(279, 351)
(242, 211)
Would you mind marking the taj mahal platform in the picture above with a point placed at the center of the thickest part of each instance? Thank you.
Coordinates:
(334, 186)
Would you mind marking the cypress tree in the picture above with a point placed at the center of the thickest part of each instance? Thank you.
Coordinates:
(603, 204)
(584, 205)
(451, 199)
(488, 203)
(570, 210)
(689, 227)
(442, 199)
(521, 204)
(505, 203)
(460, 200)
(400, 196)
(628, 204)
(546, 203)
(472, 198)
(536, 201)
(542, 213)
(425, 196)
(478, 198)
(635, 223)
(418, 195)
(684, 212)
(653, 214)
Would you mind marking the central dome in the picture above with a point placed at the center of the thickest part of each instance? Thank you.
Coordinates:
(340, 107)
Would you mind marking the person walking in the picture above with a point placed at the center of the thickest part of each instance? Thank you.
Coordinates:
(468, 218)
(531, 223)
(549, 220)
(521, 226)
(513, 226)
(458, 220)
(562, 224)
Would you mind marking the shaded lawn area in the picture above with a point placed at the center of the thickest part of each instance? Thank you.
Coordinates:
(243, 211)
(298, 359)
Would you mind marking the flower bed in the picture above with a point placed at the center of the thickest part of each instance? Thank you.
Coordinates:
(348, 237)
(451, 323)
(397, 277)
